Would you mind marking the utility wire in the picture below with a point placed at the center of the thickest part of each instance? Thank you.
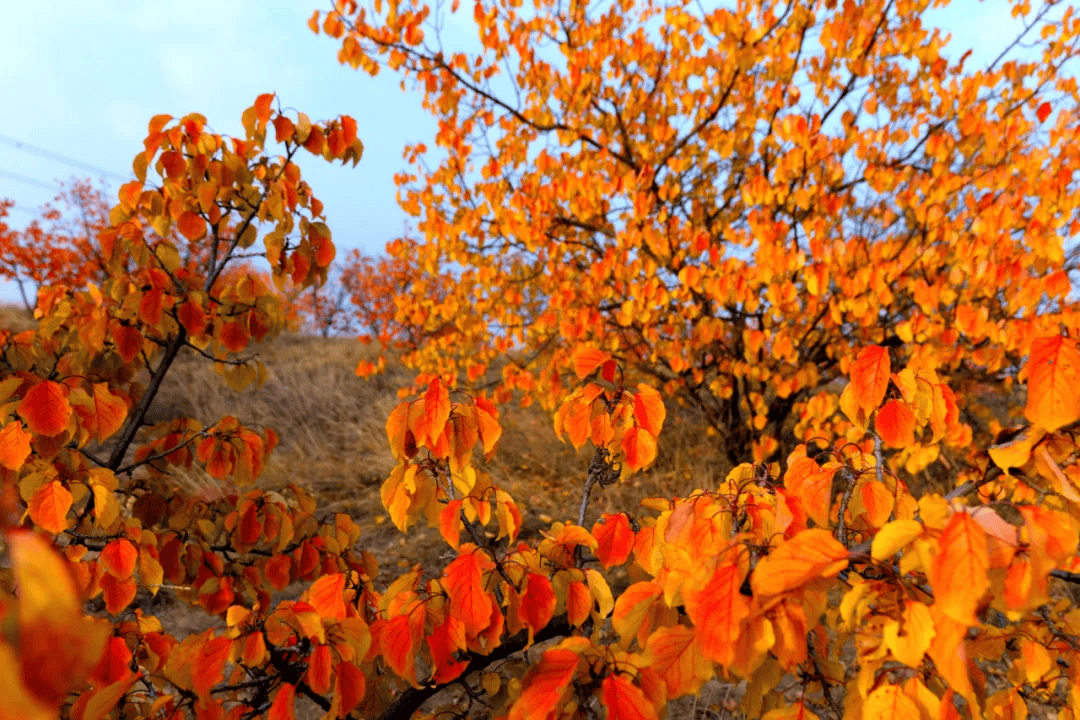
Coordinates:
(28, 180)
(62, 159)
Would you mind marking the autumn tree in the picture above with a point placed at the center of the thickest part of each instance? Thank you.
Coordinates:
(60, 246)
(729, 199)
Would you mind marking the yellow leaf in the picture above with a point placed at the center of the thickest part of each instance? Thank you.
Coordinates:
(909, 637)
(887, 703)
(893, 536)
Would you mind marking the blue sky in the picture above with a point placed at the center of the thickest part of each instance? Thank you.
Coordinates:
(82, 79)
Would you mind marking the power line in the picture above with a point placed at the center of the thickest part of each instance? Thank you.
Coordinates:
(62, 159)
(28, 180)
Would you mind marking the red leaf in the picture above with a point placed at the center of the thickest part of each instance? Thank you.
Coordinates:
(118, 592)
(118, 558)
(1043, 111)
(192, 317)
(277, 571)
(284, 705)
(615, 539)
(46, 409)
(234, 336)
(538, 603)
(114, 663)
(895, 423)
(348, 688)
(396, 642)
(624, 700)
(129, 341)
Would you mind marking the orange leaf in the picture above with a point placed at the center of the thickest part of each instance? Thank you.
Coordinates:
(436, 412)
(675, 653)
(959, 571)
(649, 409)
(811, 484)
(1053, 377)
(639, 447)
(326, 595)
(14, 445)
(615, 539)
(586, 360)
(717, 608)
(100, 703)
(110, 411)
(49, 506)
(396, 642)
(895, 423)
(487, 418)
(545, 686)
(870, 377)
(46, 409)
(624, 701)
(263, 106)
(191, 225)
(810, 555)
(579, 603)
(284, 705)
(632, 607)
(118, 558)
(450, 523)
(208, 668)
(465, 588)
(320, 668)
(283, 128)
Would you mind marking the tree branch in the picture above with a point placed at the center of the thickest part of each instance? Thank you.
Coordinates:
(410, 701)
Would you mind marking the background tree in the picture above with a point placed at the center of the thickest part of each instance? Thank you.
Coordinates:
(729, 200)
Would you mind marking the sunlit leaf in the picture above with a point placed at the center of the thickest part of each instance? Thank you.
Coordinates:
(1053, 377)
